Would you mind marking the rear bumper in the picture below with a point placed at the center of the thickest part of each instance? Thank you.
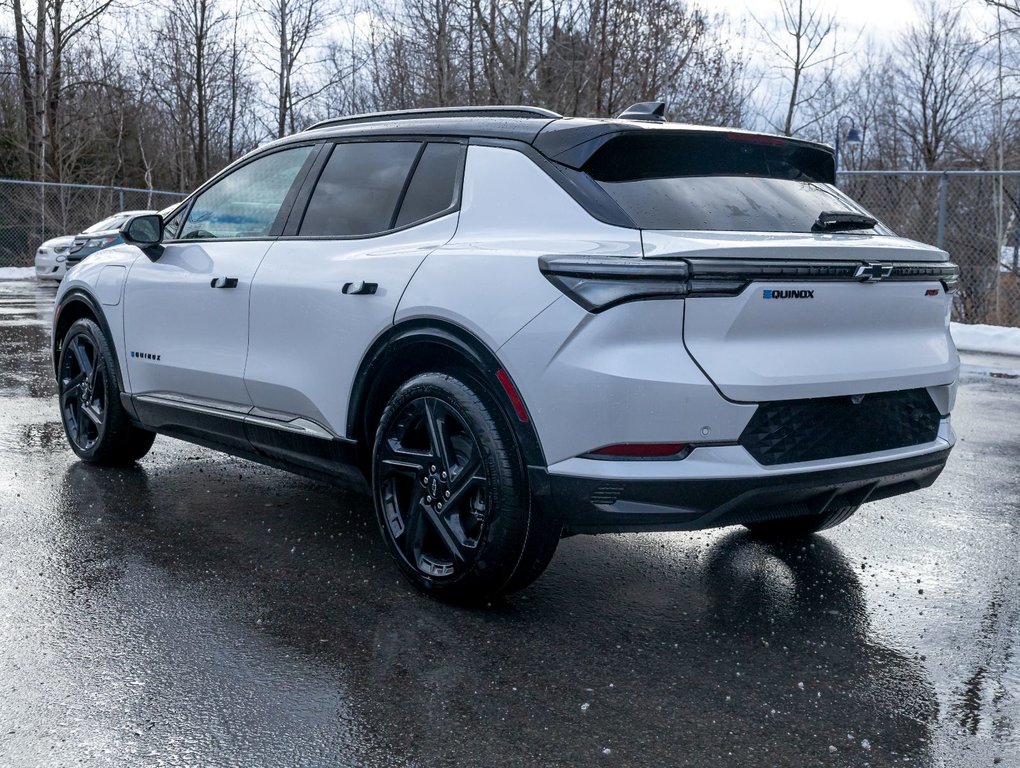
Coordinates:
(602, 505)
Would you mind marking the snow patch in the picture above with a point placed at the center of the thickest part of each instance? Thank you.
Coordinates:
(986, 338)
(17, 273)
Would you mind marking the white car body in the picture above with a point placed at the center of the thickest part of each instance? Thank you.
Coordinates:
(278, 363)
(51, 258)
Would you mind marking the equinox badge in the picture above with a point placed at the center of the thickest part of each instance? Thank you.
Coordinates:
(770, 293)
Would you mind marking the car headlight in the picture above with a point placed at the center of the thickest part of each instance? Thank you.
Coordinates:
(98, 242)
(61, 248)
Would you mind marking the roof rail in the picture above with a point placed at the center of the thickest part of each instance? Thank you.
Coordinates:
(417, 114)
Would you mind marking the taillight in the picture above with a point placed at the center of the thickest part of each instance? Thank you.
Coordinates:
(600, 283)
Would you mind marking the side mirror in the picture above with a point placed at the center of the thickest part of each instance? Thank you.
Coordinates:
(144, 231)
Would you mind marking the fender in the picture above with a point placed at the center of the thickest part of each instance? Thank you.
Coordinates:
(80, 296)
(463, 346)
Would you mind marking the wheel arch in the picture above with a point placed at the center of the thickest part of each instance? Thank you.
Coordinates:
(434, 345)
(75, 305)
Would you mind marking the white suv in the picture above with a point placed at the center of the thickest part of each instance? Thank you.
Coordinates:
(512, 326)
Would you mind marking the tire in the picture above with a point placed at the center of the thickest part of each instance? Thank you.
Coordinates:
(799, 527)
(95, 422)
(451, 493)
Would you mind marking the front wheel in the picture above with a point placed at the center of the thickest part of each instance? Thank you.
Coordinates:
(450, 491)
(96, 424)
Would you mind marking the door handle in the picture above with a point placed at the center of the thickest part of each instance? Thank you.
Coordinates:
(223, 282)
(360, 287)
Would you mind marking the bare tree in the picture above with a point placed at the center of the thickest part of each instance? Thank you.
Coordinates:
(804, 45)
(941, 81)
(42, 47)
(291, 27)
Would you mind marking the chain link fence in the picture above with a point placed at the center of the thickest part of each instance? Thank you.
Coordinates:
(971, 214)
(32, 212)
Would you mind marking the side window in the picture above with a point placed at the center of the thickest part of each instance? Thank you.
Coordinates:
(247, 202)
(172, 226)
(359, 189)
(435, 186)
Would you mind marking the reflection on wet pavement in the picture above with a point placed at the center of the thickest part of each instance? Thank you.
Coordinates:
(201, 610)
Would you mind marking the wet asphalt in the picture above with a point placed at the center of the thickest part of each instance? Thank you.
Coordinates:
(200, 610)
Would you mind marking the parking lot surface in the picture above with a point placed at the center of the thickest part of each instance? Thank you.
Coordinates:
(200, 610)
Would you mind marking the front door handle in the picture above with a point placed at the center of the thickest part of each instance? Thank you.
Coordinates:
(359, 287)
(223, 282)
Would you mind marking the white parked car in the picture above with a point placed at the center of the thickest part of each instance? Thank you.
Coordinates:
(51, 258)
(511, 326)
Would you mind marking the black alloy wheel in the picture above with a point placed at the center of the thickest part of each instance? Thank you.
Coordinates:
(450, 490)
(83, 392)
(97, 426)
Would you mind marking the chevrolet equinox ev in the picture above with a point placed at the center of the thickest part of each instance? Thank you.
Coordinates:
(509, 326)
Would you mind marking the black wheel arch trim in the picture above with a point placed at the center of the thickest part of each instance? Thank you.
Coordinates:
(458, 340)
(79, 296)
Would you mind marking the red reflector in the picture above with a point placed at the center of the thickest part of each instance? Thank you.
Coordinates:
(932, 292)
(513, 394)
(641, 450)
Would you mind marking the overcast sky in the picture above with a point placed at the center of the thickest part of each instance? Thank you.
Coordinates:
(880, 19)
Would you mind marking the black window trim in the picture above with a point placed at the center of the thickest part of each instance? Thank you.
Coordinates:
(311, 180)
(285, 206)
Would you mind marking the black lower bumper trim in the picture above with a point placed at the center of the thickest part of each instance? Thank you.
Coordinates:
(591, 505)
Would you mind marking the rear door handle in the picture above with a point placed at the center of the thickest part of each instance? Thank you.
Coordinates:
(223, 282)
(360, 287)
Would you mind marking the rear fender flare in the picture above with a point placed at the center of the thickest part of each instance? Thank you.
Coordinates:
(392, 357)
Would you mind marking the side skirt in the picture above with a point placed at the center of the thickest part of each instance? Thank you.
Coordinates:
(276, 440)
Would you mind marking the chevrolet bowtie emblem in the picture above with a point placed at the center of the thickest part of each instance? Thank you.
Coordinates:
(871, 273)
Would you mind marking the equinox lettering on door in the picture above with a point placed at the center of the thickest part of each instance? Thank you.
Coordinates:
(770, 293)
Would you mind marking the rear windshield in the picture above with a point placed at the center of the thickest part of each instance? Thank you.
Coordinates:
(719, 181)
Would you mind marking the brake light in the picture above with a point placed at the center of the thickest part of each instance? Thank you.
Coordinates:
(757, 138)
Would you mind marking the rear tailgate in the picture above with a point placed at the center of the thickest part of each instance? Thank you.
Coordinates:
(813, 315)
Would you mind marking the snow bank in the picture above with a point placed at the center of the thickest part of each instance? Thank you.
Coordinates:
(986, 338)
(16, 273)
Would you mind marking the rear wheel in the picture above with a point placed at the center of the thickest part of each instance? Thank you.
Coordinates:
(798, 527)
(451, 493)
(96, 424)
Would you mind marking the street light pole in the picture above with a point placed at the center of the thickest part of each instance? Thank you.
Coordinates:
(853, 136)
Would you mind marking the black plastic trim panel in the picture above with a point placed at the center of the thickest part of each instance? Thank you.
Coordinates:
(791, 431)
(400, 342)
(592, 505)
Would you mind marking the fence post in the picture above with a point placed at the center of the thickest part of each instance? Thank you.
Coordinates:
(121, 193)
(940, 231)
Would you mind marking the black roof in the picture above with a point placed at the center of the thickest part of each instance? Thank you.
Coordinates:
(567, 140)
